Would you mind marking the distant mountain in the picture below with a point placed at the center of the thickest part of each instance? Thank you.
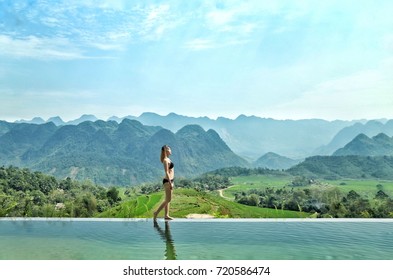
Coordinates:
(57, 121)
(35, 120)
(82, 119)
(251, 136)
(173, 121)
(362, 145)
(110, 153)
(347, 134)
(117, 119)
(275, 161)
(355, 167)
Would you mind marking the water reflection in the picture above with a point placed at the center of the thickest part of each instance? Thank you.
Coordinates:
(170, 251)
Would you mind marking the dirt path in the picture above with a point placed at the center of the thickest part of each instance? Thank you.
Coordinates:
(221, 193)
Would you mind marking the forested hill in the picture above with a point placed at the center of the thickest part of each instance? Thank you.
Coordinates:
(109, 153)
(356, 167)
(275, 161)
(362, 145)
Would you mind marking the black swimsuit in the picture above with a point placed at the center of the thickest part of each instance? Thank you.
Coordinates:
(171, 165)
(166, 181)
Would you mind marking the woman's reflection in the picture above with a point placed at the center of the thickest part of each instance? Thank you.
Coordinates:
(170, 252)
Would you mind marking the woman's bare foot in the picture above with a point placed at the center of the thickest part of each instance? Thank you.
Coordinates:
(155, 216)
(168, 218)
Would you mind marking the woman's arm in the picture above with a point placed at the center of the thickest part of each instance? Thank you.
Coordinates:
(166, 168)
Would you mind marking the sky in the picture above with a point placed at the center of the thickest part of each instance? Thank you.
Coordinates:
(273, 59)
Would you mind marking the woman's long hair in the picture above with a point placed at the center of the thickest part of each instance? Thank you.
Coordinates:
(163, 152)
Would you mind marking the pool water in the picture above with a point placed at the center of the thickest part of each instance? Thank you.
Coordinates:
(95, 239)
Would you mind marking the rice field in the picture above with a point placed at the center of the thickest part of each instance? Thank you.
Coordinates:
(367, 188)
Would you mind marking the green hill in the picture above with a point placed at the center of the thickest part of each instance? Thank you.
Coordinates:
(190, 201)
(108, 153)
(355, 167)
(274, 161)
(362, 145)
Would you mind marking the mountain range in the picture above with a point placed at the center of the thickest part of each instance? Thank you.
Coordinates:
(58, 121)
(88, 146)
(347, 134)
(251, 136)
(111, 153)
(248, 136)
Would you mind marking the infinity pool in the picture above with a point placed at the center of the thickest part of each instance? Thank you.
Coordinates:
(215, 239)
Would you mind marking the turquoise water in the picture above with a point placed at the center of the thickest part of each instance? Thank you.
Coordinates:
(195, 239)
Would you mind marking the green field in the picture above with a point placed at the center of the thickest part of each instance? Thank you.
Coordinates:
(366, 188)
(246, 183)
(190, 201)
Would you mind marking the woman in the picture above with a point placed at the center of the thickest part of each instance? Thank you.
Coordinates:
(167, 182)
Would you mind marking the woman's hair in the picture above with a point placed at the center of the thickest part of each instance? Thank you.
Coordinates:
(163, 152)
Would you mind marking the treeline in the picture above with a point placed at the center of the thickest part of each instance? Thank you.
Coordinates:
(336, 167)
(242, 171)
(325, 203)
(33, 194)
(24, 193)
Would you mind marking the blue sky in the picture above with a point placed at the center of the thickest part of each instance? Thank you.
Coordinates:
(277, 59)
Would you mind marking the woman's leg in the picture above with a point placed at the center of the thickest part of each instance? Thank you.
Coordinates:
(164, 204)
(168, 198)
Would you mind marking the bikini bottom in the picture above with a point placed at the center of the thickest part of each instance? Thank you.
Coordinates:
(166, 181)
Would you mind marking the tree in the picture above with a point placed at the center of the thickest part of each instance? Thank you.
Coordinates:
(381, 195)
(90, 203)
(352, 195)
(113, 195)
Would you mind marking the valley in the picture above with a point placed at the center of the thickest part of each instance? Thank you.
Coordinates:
(95, 168)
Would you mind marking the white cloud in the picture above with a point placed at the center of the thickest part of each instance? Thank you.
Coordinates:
(119, 5)
(233, 19)
(200, 44)
(39, 48)
(108, 47)
(156, 20)
(51, 21)
(221, 17)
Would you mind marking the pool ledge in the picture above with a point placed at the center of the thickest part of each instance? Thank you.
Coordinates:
(214, 220)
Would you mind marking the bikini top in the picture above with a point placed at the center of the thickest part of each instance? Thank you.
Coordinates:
(171, 165)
